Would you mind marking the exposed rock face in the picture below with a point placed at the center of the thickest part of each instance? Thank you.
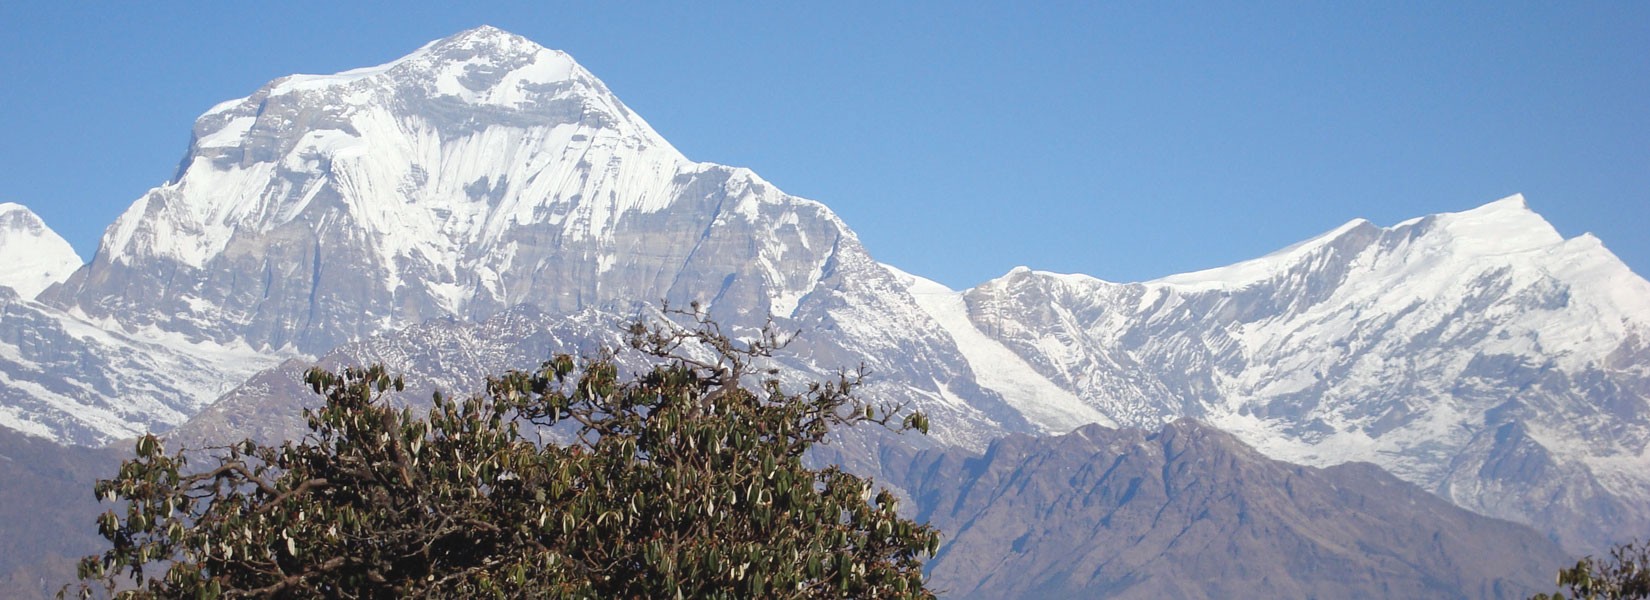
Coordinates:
(444, 355)
(1188, 511)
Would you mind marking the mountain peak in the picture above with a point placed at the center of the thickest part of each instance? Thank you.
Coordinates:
(485, 38)
(491, 95)
(484, 49)
(32, 256)
(1504, 226)
(1509, 205)
(455, 86)
(479, 171)
(481, 66)
(1271, 265)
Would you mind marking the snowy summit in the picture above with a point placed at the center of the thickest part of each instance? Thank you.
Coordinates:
(32, 256)
(478, 172)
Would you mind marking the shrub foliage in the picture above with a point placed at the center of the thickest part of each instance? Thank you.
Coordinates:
(1624, 575)
(684, 481)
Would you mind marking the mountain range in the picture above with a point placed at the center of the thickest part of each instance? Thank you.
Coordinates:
(484, 200)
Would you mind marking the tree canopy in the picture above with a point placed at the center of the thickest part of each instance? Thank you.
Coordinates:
(1624, 575)
(686, 480)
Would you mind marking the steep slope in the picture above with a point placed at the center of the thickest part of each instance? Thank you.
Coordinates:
(1187, 511)
(74, 380)
(1478, 354)
(479, 173)
(48, 514)
(500, 173)
(32, 256)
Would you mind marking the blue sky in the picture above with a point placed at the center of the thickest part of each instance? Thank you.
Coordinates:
(1123, 140)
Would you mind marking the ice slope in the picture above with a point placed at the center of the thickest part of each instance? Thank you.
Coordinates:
(32, 256)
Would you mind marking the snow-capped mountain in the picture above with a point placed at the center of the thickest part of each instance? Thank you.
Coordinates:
(75, 379)
(32, 256)
(1479, 354)
(478, 173)
(414, 212)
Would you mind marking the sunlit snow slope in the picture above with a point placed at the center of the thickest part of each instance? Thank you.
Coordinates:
(1479, 354)
(479, 173)
(32, 256)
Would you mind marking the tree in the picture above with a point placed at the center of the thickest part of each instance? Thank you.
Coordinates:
(684, 481)
(1625, 575)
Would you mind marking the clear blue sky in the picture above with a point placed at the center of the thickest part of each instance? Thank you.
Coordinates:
(1123, 140)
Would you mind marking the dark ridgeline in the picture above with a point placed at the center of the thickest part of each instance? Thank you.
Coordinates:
(1189, 511)
(48, 513)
